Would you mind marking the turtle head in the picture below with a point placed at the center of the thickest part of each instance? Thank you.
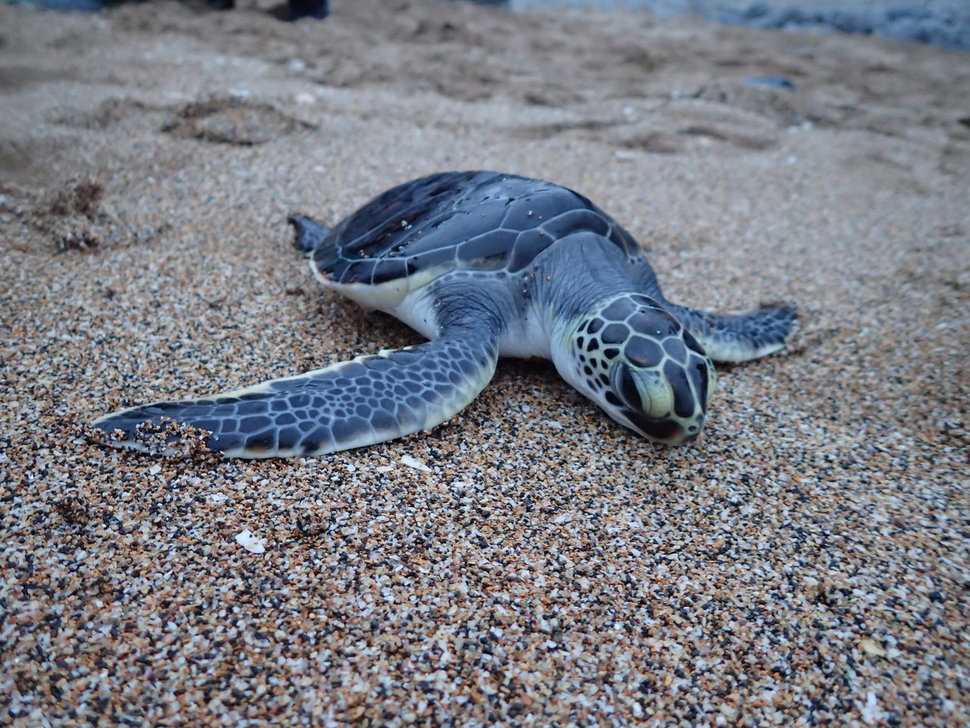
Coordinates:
(642, 366)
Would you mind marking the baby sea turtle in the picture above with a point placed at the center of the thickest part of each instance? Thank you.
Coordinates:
(483, 265)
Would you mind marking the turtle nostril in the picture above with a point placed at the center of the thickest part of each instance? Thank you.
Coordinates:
(692, 430)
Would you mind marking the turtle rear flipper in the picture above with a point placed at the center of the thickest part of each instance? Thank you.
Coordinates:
(310, 234)
(352, 404)
(738, 337)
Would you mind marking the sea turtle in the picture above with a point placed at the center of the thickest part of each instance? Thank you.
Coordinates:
(482, 264)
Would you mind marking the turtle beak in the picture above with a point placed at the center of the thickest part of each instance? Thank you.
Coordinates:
(665, 431)
(661, 408)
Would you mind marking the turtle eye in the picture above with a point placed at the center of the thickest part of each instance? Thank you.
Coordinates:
(641, 390)
(625, 385)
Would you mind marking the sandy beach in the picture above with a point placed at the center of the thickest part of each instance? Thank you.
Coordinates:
(530, 563)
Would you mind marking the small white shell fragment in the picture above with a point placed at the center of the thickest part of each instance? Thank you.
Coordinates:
(250, 541)
(873, 648)
(384, 468)
(870, 712)
(155, 469)
(216, 498)
(414, 463)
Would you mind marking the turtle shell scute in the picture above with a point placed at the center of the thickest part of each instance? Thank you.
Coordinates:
(459, 220)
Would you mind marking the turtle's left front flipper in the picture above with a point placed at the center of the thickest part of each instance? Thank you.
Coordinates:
(352, 404)
(738, 337)
(726, 337)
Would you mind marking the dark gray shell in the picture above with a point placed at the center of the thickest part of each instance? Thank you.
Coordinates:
(459, 220)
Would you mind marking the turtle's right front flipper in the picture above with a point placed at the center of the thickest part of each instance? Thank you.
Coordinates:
(352, 404)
